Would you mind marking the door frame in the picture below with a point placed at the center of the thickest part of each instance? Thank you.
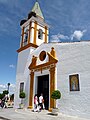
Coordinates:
(48, 80)
(52, 85)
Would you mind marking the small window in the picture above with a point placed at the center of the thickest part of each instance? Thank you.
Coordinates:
(42, 55)
(21, 87)
(74, 82)
(26, 37)
(40, 34)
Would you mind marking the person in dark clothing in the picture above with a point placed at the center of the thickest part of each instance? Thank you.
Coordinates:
(1, 103)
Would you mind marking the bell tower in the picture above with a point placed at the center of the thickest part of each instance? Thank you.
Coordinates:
(34, 30)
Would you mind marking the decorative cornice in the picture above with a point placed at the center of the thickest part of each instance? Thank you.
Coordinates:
(33, 19)
(27, 46)
(52, 60)
(42, 65)
(34, 60)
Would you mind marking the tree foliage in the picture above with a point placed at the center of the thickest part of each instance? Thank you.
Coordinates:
(1, 95)
(5, 92)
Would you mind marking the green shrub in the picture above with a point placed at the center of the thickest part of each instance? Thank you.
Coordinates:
(56, 94)
(22, 95)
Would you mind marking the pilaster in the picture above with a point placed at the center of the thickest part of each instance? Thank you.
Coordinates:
(22, 37)
(29, 33)
(35, 32)
(52, 86)
(31, 89)
(45, 34)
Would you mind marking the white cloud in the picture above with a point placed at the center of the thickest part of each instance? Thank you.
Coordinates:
(78, 34)
(58, 37)
(4, 87)
(12, 66)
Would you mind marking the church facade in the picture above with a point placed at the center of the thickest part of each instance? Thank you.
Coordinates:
(43, 67)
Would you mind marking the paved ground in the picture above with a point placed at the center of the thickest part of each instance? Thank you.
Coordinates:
(27, 114)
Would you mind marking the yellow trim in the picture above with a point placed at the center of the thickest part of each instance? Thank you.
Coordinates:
(51, 66)
(31, 89)
(35, 32)
(22, 37)
(41, 25)
(42, 65)
(30, 107)
(38, 29)
(52, 58)
(52, 86)
(53, 53)
(33, 63)
(45, 34)
(29, 33)
(50, 109)
(27, 46)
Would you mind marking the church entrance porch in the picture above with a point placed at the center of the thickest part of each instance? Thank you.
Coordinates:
(43, 84)
(43, 87)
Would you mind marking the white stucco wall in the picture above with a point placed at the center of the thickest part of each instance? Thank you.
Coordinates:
(73, 58)
(23, 75)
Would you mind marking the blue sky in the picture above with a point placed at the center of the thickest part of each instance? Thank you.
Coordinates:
(69, 20)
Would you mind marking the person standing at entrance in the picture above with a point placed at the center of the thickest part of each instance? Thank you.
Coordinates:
(35, 103)
(41, 100)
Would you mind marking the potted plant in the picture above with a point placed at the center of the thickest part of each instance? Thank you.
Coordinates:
(22, 95)
(55, 95)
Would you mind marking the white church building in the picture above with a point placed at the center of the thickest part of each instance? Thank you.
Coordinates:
(43, 67)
